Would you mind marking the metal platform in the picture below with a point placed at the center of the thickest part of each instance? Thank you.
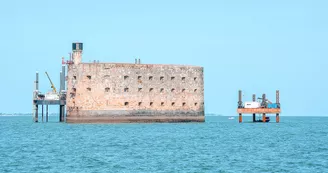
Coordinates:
(258, 110)
(263, 108)
(39, 99)
(49, 102)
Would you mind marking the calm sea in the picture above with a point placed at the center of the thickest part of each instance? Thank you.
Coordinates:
(297, 144)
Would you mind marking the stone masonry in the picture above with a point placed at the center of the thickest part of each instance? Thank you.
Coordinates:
(118, 92)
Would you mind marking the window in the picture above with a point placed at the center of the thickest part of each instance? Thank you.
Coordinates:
(107, 89)
(89, 89)
(151, 103)
(196, 104)
(150, 77)
(172, 90)
(184, 104)
(183, 90)
(126, 103)
(140, 103)
(162, 90)
(74, 77)
(126, 89)
(139, 77)
(195, 78)
(139, 89)
(126, 77)
(161, 78)
(73, 93)
(195, 90)
(89, 77)
(183, 78)
(172, 78)
(173, 103)
(151, 89)
(162, 103)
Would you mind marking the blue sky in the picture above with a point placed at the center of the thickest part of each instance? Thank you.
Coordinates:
(257, 46)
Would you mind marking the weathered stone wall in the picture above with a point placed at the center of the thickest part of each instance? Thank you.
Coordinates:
(105, 91)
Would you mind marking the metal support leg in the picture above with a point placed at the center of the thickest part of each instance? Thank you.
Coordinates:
(254, 120)
(42, 113)
(240, 118)
(63, 117)
(263, 117)
(36, 114)
(277, 118)
(60, 112)
(47, 113)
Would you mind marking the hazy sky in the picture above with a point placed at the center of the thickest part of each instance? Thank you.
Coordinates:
(257, 46)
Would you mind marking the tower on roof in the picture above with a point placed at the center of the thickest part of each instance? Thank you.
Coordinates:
(77, 49)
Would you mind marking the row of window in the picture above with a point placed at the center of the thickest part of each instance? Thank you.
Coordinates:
(140, 77)
(139, 90)
(160, 78)
(162, 104)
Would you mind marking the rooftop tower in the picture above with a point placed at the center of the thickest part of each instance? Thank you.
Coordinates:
(77, 53)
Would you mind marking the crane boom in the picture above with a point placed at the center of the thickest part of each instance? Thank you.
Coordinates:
(52, 85)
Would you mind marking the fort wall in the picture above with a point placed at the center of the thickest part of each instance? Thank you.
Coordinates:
(117, 92)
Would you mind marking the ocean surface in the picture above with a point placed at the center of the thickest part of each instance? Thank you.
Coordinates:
(296, 144)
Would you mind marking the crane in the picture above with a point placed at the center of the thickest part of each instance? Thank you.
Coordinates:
(52, 85)
(267, 100)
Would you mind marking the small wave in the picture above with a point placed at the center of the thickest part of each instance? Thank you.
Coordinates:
(14, 115)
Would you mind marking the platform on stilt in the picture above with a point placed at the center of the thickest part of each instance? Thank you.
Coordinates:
(263, 107)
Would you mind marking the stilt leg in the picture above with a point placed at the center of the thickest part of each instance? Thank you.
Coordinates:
(263, 117)
(60, 112)
(42, 113)
(63, 114)
(47, 113)
(240, 118)
(36, 114)
(277, 118)
(254, 118)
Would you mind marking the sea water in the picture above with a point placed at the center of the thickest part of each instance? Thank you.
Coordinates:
(296, 144)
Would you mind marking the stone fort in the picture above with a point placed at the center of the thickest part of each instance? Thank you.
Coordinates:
(132, 92)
